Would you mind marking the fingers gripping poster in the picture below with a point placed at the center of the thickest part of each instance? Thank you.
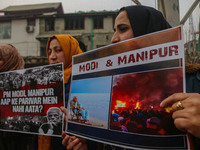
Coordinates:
(30, 100)
(116, 92)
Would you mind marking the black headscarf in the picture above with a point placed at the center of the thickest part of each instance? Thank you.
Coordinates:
(145, 19)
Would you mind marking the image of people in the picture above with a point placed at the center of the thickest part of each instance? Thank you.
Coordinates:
(115, 116)
(60, 49)
(92, 30)
(10, 60)
(153, 126)
(138, 104)
(135, 21)
(83, 101)
(80, 112)
(54, 122)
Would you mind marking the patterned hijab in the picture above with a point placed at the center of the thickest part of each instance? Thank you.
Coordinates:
(70, 47)
(145, 19)
(10, 57)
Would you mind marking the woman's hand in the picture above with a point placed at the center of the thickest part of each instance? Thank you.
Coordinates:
(73, 142)
(186, 111)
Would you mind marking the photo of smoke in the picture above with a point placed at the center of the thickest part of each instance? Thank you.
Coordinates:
(136, 97)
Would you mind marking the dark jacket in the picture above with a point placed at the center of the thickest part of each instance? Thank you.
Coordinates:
(193, 86)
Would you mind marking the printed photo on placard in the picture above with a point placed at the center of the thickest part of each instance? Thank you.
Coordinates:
(30, 100)
(138, 74)
(89, 105)
(136, 98)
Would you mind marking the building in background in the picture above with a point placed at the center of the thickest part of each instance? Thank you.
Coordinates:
(91, 29)
(28, 27)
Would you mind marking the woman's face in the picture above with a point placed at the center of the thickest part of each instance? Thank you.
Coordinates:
(122, 28)
(56, 55)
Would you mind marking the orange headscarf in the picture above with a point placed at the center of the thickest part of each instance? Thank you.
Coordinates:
(70, 47)
(11, 58)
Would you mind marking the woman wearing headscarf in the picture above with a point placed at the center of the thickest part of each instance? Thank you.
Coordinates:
(135, 21)
(60, 49)
(10, 60)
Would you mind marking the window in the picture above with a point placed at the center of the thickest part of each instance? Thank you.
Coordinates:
(113, 20)
(98, 22)
(74, 23)
(31, 22)
(43, 51)
(49, 24)
(5, 30)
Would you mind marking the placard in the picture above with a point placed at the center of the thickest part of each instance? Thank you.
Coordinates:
(116, 91)
(30, 100)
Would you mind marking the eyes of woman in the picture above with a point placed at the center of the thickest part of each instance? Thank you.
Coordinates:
(56, 50)
(122, 28)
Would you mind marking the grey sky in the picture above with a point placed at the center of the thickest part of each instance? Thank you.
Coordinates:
(74, 5)
(86, 5)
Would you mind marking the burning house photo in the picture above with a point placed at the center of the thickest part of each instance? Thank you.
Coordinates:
(136, 98)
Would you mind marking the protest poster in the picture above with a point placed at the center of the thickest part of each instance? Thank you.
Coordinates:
(116, 91)
(30, 100)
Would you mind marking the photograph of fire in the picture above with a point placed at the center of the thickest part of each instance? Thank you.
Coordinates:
(136, 98)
